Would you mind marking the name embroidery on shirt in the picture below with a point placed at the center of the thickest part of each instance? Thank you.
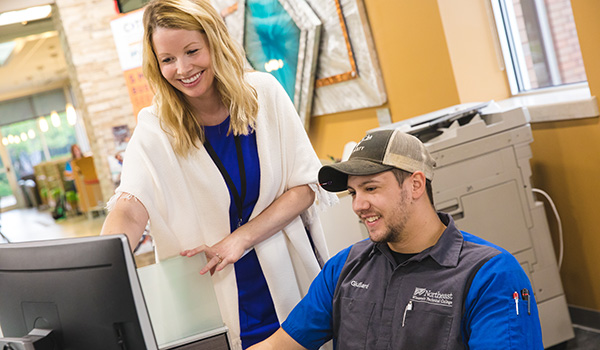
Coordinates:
(359, 285)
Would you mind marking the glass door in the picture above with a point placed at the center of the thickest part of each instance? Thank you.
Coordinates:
(25, 145)
(8, 182)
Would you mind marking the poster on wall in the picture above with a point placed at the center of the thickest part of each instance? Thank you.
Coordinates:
(128, 33)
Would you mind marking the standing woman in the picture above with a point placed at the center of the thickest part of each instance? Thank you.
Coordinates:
(220, 164)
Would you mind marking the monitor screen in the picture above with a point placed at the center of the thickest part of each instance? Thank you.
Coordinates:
(84, 289)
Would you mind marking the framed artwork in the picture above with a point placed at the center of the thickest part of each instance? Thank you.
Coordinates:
(347, 74)
(280, 37)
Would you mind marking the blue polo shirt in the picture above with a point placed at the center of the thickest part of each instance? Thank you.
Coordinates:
(458, 294)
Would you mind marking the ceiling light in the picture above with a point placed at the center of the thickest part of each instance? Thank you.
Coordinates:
(11, 139)
(31, 134)
(43, 124)
(5, 141)
(71, 114)
(55, 119)
(26, 15)
(23, 137)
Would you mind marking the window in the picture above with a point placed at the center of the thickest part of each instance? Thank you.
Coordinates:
(539, 42)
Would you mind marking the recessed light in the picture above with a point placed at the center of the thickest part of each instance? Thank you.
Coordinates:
(26, 15)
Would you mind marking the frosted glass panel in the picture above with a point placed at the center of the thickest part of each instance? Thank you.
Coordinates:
(181, 302)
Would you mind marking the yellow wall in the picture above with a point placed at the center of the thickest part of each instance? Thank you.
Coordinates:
(566, 164)
(435, 56)
(416, 68)
(474, 50)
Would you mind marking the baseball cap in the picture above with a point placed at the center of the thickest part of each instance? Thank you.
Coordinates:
(377, 152)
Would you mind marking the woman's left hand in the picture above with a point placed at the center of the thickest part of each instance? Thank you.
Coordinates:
(229, 250)
(270, 221)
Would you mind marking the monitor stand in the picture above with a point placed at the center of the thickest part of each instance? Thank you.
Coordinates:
(37, 339)
(4, 237)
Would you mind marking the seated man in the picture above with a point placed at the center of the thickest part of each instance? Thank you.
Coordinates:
(419, 282)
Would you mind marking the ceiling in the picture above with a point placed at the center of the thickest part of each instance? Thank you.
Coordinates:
(37, 62)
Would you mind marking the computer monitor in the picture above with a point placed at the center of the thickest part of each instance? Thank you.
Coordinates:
(85, 290)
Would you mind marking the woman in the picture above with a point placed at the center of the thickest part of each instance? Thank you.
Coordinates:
(221, 165)
(73, 180)
(70, 167)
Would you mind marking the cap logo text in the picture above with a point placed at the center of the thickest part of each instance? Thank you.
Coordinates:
(358, 146)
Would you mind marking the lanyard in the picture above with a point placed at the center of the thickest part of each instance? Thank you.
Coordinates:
(239, 200)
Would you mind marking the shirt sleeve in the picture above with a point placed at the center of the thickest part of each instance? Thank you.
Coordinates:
(492, 319)
(310, 323)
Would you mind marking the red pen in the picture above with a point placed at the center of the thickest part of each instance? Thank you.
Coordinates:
(516, 297)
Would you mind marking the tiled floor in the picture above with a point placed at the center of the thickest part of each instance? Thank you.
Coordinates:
(585, 339)
(20, 225)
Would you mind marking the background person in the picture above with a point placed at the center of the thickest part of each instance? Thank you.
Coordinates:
(74, 181)
(221, 165)
(70, 167)
(419, 282)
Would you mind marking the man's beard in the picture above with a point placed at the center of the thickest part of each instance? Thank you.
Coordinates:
(395, 231)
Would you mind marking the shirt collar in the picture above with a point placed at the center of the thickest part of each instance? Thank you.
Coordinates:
(446, 251)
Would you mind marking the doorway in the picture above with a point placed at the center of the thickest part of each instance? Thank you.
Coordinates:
(8, 182)
(25, 145)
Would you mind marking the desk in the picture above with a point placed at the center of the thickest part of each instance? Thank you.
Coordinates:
(212, 340)
(182, 304)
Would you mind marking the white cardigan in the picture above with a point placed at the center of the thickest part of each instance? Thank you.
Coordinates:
(183, 194)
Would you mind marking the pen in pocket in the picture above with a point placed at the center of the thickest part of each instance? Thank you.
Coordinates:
(406, 309)
(525, 296)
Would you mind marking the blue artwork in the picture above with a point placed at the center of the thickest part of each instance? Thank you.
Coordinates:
(271, 41)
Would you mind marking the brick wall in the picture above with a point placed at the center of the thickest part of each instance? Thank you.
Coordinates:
(566, 43)
(564, 38)
(96, 76)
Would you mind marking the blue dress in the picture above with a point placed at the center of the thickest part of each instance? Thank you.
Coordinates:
(258, 319)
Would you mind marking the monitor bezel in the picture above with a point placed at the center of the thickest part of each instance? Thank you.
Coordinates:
(130, 267)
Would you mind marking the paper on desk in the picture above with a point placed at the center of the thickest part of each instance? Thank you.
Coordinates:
(180, 301)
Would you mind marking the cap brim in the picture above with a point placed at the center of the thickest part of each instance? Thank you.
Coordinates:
(334, 177)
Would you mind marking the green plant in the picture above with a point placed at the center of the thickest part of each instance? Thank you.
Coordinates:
(71, 196)
(55, 193)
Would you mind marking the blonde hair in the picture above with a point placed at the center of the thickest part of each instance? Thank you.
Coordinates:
(175, 113)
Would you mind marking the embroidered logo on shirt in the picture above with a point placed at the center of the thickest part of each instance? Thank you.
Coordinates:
(436, 298)
(359, 285)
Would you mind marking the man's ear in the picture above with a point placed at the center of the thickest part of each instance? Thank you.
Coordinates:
(418, 184)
